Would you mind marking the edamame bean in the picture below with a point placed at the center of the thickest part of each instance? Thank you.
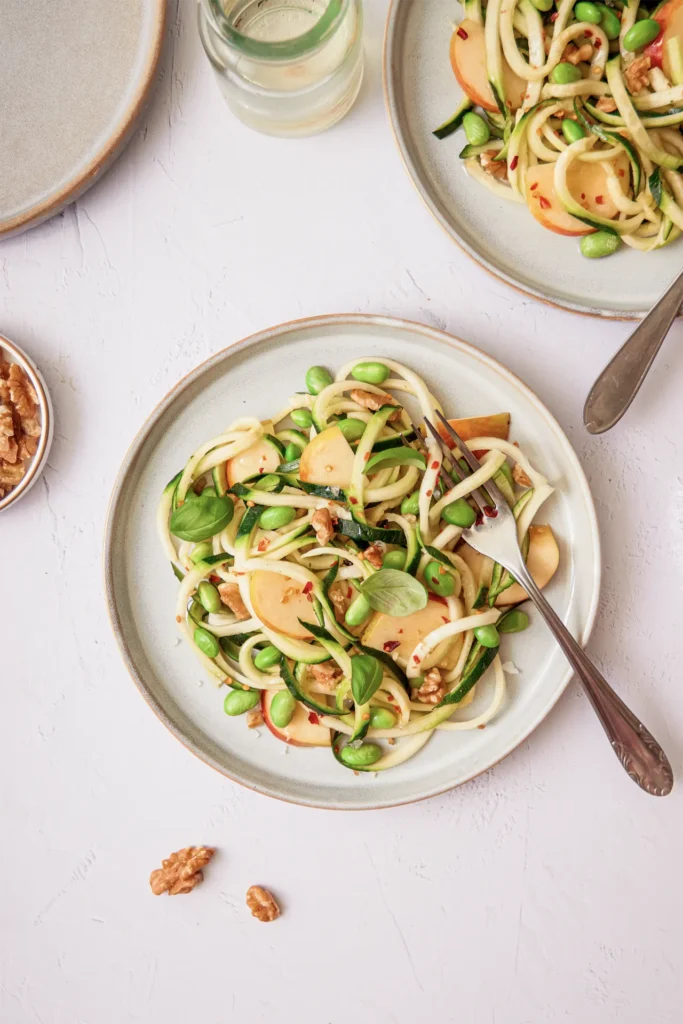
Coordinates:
(514, 622)
(565, 74)
(276, 516)
(572, 130)
(439, 579)
(370, 373)
(206, 642)
(266, 658)
(209, 596)
(459, 513)
(410, 506)
(361, 757)
(302, 418)
(599, 244)
(382, 718)
(394, 560)
(642, 33)
(476, 129)
(542, 5)
(609, 23)
(292, 453)
(201, 551)
(585, 11)
(197, 611)
(487, 636)
(282, 708)
(352, 429)
(239, 701)
(358, 611)
(317, 378)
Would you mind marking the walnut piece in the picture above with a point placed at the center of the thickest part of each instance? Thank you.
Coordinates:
(337, 595)
(432, 690)
(520, 477)
(368, 400)
(374, 554)
(262, 903)
(323, 525)
(327, 674)
(496, 168)
(181, 872)
(606, 104)
(8, 444)
(636, 74)
(254, 719)
(21, 392)
(230, 596)
(575, 55)
(19, 424)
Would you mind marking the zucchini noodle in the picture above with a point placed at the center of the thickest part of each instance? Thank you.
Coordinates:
(335, 574)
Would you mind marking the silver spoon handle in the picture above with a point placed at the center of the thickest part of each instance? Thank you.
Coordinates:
(619, 382)
(638, 751)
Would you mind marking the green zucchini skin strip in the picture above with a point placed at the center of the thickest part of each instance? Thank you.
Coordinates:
(454, 121)
(483, 658)
(613, 138)
(293, 686)
(365, 445)
(632, 121)
(369, 534)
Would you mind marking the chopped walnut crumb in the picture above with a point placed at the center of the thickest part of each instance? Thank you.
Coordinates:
(327, 674)
(254, 719)
(338, 596)
(520, 477)
(496, 168)
(230, 596)
(368, 400)
(8, 445)
(262, 903)
(576, 54)
(606, 104)
(432, 690)
(4, 366)
(21, 392)
(636, 74)
(374, 554)
(181, 872)
(289, 592)
(323, 525)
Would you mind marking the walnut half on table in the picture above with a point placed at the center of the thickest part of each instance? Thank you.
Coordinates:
(181, 872)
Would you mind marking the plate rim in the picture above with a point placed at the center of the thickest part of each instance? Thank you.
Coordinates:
(416, 179)
(368, 320)
(111, 148)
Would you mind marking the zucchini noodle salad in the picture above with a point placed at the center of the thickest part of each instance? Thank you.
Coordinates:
(579, 113)
(323, 577)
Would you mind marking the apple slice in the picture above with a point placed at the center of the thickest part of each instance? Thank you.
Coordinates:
(280, 602)
(497, 425)
(587, 183)
(385, 630)
(327, 460)
(302, 731)
(542, 561)
(468, 60)
(262, 457)
(670, 17)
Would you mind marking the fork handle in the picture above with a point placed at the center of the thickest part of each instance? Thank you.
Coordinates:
(640, 754)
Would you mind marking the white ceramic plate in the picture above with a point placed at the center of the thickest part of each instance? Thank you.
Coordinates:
(74, 77)
(421, 92)
(255, 377)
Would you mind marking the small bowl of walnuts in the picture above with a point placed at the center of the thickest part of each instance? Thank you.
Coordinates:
(26, 423)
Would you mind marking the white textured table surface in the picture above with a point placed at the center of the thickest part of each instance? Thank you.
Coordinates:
(547, 890)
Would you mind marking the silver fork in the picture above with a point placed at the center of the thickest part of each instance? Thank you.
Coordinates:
(495, 534)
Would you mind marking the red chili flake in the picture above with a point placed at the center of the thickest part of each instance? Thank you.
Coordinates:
(400, 632)
(391, 645)
(309, 597)
(479, 520)
(508, 104)
(435, 465)
(308, 587)
(349, 592)
(599, 200)
(263, 458)
(622, 172)
(545, 205)
(535, 185)
(583, 195)
(178, 618)
(261, 469)
(416, 659)
(437, 598)
(215, 579)
(597, 44)
(479, 453)
(553, 17)
(354, 501)
(514, 162)
(588, 34)
(262, 545)
(490, 512)
(389, 697)
(445, 619)
(429, 494)
(462, 33)
(366, 457)
(313, 718)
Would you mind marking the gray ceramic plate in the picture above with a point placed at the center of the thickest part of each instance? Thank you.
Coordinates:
(74, 77)
(254, 377)
(421, 92)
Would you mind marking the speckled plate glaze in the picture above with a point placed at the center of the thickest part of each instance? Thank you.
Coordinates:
(253, 377)
(421, 92)
(74, 78)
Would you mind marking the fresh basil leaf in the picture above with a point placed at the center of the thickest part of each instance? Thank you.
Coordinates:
(394, 592)
(201, 517)
(366, 675)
